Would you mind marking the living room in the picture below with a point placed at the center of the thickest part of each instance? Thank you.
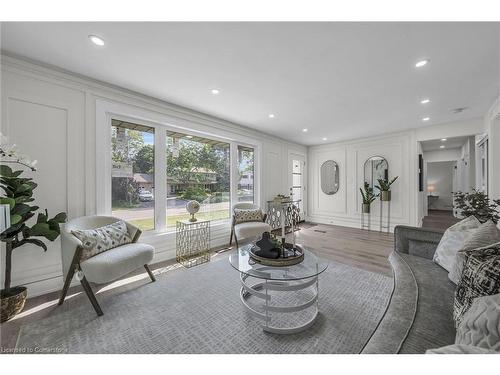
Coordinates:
(270, 187)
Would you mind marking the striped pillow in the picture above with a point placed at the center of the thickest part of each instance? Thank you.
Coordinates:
(487, 234)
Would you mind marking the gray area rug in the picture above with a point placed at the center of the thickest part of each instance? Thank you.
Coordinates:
(198, 310)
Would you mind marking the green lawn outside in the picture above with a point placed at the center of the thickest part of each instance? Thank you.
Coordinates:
(148, 224)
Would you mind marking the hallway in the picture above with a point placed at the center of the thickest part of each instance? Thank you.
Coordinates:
(439, 219)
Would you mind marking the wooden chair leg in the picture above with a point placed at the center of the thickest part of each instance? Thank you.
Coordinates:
(67, 283)
(231, 237)
(90, 294)
(236, 241)
(153, 279)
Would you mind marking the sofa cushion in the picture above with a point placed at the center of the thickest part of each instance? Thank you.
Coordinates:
(487, 234)
(98, 240)
(453, 240)
(433, 324)
(481, 324)
(481, 277)
(115, 263)
(247, 215)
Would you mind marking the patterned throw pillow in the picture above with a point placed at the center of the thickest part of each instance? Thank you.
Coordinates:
(453, 240)
(481, 277)
(243, 216)
(98, 240)
(481, 324)
(487, 234)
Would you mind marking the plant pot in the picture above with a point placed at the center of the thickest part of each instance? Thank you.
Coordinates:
(365, 208)
(385, 196)
(12, 303)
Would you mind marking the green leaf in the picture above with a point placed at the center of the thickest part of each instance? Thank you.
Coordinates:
(43, 230)
(42, 218)
(9, 201)
(14, 219)
(20, 209)
(60, 217)
(5, 171)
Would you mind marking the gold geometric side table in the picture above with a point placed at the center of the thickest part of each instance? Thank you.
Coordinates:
(192, 242)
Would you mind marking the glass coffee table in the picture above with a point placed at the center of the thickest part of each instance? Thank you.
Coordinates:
(285, 298)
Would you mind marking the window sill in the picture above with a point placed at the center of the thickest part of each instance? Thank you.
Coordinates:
(218, 224)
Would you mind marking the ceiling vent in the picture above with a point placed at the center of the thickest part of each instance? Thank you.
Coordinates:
(459, 109)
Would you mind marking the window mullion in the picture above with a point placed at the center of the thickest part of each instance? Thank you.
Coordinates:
(160, 176)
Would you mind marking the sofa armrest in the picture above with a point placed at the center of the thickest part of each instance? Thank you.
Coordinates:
(420, 242)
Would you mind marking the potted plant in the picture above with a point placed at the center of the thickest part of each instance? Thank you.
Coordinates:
(18, 196)
(478, 204)
(384, 187)
(368, 197)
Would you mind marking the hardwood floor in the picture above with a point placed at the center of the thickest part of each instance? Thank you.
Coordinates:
(367, 250)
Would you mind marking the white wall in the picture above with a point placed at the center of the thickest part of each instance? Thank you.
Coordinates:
(492, 128)
(343, 208)
(54, 117)
(440, 176)
(442, 155)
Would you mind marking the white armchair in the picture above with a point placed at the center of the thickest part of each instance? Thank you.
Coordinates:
(249, 229)
(103, 267)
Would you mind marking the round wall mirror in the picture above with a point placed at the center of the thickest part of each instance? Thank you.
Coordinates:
(376, 167)
(329, 177)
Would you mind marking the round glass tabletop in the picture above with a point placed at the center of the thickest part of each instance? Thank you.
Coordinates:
(311, 266)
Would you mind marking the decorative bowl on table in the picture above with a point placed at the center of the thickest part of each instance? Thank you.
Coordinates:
(271, 252)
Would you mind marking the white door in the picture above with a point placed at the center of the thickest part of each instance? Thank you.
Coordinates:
(296, 181)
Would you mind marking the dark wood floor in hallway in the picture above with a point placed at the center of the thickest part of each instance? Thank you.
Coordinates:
(439, 219)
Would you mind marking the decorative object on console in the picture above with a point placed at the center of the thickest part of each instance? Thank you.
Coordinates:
(193, 207)
(481, 277)
(453, 240)
(18, 195)
(485, 235)
(329, 172)
(478, 204)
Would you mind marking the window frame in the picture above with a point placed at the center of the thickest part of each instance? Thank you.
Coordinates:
(106, 111)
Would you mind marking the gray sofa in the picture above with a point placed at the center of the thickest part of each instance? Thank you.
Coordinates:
(419, 315)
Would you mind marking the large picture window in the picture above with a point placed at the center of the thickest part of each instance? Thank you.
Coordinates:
(245, 174)
(132, 173)
(197, 169)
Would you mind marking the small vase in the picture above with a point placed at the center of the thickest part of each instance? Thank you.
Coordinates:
(385, 196)
(365, 208)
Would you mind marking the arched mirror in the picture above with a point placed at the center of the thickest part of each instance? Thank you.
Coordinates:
(329, 177)
(376, 167)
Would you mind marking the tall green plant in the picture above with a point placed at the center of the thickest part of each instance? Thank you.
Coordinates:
(478, 204)
(19, 195)
(367, 195)
(385, 185)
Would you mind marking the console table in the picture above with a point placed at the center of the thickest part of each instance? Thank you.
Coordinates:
(192, 242)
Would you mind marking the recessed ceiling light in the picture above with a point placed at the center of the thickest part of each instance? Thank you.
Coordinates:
(324, 138)
(425, 119)
(425, 101)
(189, 136)
(96, 40)
(271, 115)
(215, 91)
(442, 146)
(304, 130)
(443, 139)
(421, 63)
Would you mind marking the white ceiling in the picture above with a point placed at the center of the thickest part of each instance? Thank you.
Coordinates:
(450, 143)
(339, 80)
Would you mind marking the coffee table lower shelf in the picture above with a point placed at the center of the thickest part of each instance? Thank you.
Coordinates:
(268, 304)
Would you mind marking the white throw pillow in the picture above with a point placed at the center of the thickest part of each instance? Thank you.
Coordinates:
(460, 349)
(453, 240)
(480, 325)
(487, 234)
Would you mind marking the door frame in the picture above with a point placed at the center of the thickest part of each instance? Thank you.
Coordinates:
(292, 154)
